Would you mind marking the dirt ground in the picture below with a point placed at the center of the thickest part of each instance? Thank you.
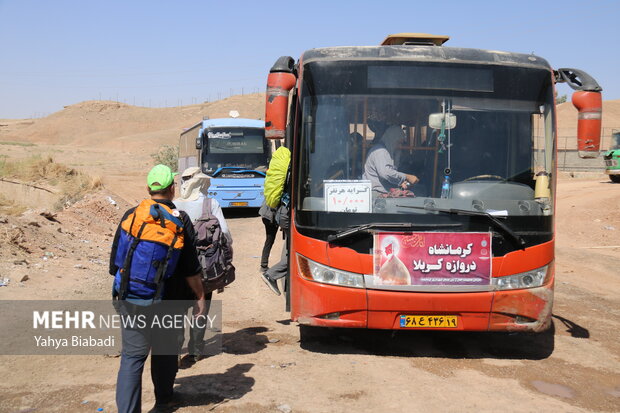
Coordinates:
(575, 367)
(263, 368)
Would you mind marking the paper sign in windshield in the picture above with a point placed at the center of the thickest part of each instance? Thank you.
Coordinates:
(348, 196)
(432, 258)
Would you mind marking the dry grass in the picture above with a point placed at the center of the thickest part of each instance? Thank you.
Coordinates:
(35, 169)
(74, 189)
(71, 183)
(8, 207)
(17, 143)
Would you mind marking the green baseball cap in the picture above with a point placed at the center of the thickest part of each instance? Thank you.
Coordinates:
(160, 177)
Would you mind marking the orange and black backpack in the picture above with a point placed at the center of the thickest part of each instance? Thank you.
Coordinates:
(149, 247)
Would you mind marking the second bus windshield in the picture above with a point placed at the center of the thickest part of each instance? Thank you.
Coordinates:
(235, 147)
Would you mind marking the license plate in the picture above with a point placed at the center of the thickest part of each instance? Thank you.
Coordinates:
(611, 162)
(429, 321)
(238, 204)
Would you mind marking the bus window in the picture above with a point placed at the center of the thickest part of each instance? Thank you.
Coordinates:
(240, 148)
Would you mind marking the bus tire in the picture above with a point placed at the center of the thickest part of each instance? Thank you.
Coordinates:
(311, 333)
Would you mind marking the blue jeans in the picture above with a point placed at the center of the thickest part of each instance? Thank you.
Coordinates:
(137, 343)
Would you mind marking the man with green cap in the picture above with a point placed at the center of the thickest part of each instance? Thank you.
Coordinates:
(159, 178)
(138, 342)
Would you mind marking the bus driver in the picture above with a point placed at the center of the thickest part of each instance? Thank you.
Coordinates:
(379, 168)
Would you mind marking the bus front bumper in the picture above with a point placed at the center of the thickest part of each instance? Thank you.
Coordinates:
(239, 197)
(524, 310)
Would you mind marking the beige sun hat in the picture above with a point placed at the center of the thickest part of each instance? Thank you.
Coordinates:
(193, 184)
(192, 170)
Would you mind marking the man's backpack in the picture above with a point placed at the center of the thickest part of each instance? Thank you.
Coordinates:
(149, 247)
(214, 252)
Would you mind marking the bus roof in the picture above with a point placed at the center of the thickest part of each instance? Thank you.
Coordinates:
(425, 54)
(232, 122)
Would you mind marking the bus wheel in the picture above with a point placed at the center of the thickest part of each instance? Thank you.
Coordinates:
(615, 178)
(309, 334)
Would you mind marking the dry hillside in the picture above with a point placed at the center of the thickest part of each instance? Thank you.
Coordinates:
(113, 140)
(99, 122)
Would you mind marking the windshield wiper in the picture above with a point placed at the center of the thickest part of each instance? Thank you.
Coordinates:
(397, 225)
(498, 224)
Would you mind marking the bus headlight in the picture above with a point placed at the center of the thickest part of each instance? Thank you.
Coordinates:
(528, 279)
(321, 273)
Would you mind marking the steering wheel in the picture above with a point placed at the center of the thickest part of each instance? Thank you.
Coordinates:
(485, 177)
(333, 172)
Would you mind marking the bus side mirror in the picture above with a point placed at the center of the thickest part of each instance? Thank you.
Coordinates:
(589, 119)
(589, 102)
(201, 134)
(279, 83)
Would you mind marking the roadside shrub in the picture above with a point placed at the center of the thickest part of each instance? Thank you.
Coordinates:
(167, 155)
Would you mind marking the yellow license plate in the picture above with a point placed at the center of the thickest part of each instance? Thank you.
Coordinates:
(429, 321)
(238, 204)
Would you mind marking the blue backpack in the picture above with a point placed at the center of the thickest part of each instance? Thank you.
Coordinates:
(148, 250)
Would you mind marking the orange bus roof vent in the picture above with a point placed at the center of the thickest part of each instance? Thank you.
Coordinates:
(415, 39)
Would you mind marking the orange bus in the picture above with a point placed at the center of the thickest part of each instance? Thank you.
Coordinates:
(422, 183)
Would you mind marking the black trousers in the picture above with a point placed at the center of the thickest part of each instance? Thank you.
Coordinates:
(196, 341)
(137, 344)
(271, 230)
(280, 269)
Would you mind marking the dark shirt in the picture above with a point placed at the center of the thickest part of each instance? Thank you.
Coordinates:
(176, 287)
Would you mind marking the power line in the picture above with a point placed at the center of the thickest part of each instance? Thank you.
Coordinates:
(256, 78)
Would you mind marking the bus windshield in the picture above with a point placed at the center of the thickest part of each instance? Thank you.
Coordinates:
(235, 148)
(471, 138)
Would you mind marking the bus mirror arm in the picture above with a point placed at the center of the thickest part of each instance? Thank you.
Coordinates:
(577, 79)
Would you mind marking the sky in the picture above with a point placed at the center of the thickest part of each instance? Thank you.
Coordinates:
(168, 53)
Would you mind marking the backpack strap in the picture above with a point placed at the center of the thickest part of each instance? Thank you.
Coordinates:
(206, 207)
(133, 219)
(161, 271)
(159, 216)
(124, 287)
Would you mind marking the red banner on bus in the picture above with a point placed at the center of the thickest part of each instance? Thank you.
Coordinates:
(432, 258)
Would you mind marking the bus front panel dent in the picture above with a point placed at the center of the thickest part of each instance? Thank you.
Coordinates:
(527, 310)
